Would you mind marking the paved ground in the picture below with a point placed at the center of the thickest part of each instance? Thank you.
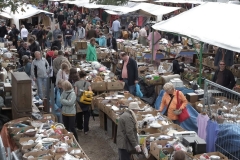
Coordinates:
(97, 145)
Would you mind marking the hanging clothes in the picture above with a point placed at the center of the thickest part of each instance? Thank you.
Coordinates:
(212, 132)
(157, 37)
(202, 125)
(226, 56)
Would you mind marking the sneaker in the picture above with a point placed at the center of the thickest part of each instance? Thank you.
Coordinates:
(85, 133)
(80, 130)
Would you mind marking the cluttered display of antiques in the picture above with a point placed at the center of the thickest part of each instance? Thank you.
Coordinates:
(158, 136)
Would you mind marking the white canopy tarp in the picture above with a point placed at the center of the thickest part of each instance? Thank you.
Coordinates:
(6, 15)
(180, 1)
(113, 12)
(211, 22)
(144, 8)
(19, 14)
(153, 9)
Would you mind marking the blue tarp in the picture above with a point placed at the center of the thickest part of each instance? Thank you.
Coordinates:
(187, 53)
(149, 56)
(228, 141)
(189, 124)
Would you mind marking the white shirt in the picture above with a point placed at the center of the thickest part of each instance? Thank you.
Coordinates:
(135, 35)
(143, 32)
(24, 33)
(81, 33)
(116, 26)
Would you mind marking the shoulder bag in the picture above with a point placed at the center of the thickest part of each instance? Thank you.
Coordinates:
(166, 112)
(182, 114)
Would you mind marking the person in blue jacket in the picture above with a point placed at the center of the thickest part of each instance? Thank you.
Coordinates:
(57, 109)
(102, 40)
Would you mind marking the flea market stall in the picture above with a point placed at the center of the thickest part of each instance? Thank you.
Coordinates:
(27, 12)
(210, 34)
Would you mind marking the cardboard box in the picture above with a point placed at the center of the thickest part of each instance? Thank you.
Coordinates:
(7, 87)
(148, 131)
(192, 97)
(102, 55)
(176, 127)
(144, 143)
(26, 139)
(222, 157)
(99, 86)
(115, 86)
(83, 45)
(34, 154)
(157, 152)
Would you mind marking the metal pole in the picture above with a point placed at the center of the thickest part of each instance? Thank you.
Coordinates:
(200, 66)
(152, 45)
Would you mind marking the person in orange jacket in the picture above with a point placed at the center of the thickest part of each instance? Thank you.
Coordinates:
(171, 93)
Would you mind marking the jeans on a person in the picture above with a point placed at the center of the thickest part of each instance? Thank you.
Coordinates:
(69, 123)
(124, 154)
(48, 43)
(83, 122)
(116, 34)
(131, 88)
(68, 42)
(42, 84)
(2, 39)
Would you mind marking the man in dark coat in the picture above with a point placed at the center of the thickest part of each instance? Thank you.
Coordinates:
(33, 47)
(224, 76)
(129, 72)
(57, 43)
(111, 42)
(177, 69)
(3, 32)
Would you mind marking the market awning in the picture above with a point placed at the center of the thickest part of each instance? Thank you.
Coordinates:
(6, 15)
(180, 1)
(113, 12)
(211, 22)
(153, 9)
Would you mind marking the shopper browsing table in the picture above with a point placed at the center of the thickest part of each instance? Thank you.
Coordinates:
(80, 86)
(177, 69)
(91, 51)
(171, 93)
(129, 72)
(111, 42)
(68, 98)
(143, 36)
(127, 139)
(224, 76)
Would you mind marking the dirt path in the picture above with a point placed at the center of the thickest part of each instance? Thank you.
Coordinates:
(97, 145)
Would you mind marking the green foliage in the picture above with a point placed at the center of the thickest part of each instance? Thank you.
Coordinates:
(16, 4)
(110, 2)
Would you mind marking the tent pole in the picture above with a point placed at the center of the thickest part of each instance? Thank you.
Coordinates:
(152, 45)
(200, 66)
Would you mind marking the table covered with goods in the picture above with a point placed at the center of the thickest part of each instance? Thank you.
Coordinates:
(40, 137)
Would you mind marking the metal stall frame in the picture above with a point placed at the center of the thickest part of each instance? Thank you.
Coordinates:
(231, 94)
(231, 129)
